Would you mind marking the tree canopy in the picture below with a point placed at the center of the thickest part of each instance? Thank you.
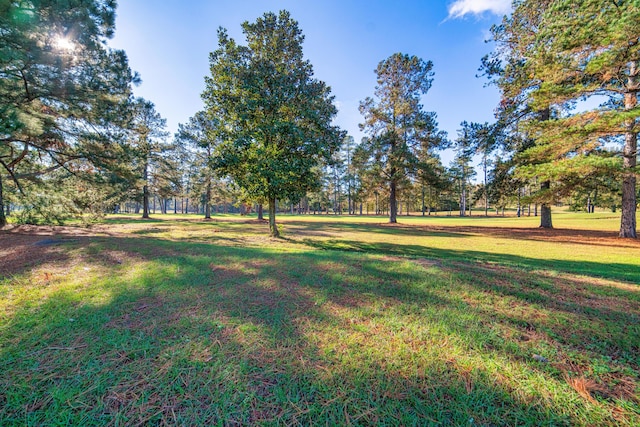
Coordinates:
(275, 118)
(555, 53)
(399, 129)
(63, 92)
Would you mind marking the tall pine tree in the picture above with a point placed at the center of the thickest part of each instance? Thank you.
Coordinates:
(398, 127)
(63, 92)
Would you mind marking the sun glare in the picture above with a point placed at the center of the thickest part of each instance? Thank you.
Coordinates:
(63, 43)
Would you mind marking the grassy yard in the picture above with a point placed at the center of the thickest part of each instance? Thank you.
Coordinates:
(344, 321)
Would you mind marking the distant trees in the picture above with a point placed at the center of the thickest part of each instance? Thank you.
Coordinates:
(275, 117)
(200, 137)
(73, 138)
(398, 127)
(481, 139)
(148, 142)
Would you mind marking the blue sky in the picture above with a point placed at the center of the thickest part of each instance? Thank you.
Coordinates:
(169, 43)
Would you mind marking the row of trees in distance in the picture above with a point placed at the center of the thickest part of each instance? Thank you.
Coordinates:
(74, 138)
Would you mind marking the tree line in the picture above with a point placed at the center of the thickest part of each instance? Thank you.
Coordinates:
(74, 139)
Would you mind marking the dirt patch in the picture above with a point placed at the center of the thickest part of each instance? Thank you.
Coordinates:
(23, 248)
(26, 247)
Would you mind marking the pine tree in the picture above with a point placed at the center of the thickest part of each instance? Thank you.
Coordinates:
(148, 141)
(201, 137)
(511, 68)
(560, 52)
(63, 92)
(397, 125)
(595, 51)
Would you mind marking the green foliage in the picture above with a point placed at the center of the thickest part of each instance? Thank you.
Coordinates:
(63, 197)
(554, 53)
(198, 139)
(402, 135)
(274, 117)
(152, 164)
(63, 92)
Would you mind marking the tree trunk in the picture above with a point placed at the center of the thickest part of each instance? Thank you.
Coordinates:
(629, 202)
(629, 155)
(393, 207)
(463, 200)
(145, 201)
(273, 228)
(545, 208)
(486, 194)
(3, 218)
(207, 201)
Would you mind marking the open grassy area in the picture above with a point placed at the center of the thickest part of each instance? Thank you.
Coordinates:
(344, 321)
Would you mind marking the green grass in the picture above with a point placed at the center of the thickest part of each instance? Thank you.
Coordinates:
(345, 321)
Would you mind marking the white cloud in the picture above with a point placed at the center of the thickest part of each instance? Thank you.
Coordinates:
(460, 8)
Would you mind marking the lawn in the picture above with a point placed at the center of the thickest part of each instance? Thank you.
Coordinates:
(343, 321)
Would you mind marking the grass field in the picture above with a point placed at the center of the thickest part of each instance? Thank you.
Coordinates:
(343, 321)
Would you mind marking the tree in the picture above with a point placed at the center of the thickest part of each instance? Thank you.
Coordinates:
(502, 187)
(481, 140)
(512, 69)
(347, 148)
(200, 134)
(275, 117)
(337, 170)
(431, 177)
(148, 141)
(568, 51)
(397, 125)
(62, 91)
(595, 48)
(461, 171)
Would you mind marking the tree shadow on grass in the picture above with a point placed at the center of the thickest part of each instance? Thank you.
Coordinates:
(617, 271)
(317, 228)
(203, 334)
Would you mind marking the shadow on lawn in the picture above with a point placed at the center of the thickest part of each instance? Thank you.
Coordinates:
(625, 272)
(237, 335)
